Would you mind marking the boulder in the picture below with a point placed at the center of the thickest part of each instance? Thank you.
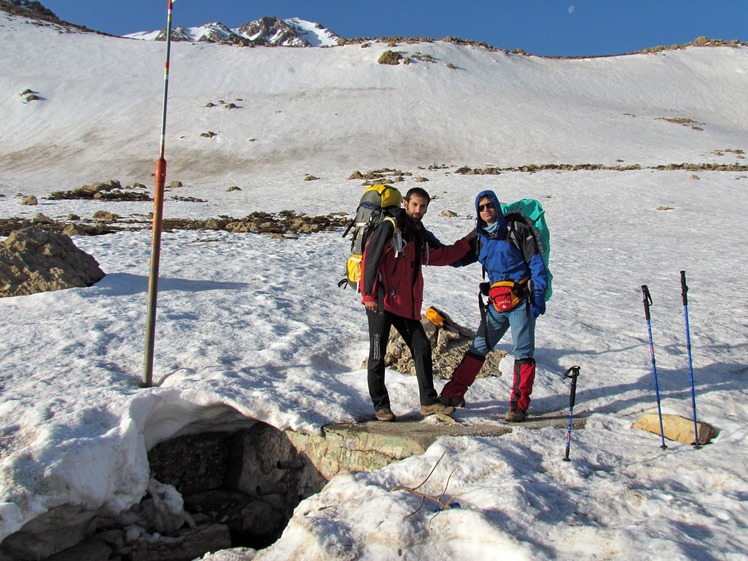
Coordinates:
(676, 428)
(33, 260)
(449, 343)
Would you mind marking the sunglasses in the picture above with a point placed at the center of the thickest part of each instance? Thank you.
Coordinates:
(487, 206)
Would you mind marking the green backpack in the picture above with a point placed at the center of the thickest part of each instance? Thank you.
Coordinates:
(533, 214)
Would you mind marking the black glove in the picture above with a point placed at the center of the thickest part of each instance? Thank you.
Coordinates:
(537, 306)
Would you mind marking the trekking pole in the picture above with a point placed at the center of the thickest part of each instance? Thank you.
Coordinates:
(647, 304)
(572, 373)
(684, 293)
(158, 212)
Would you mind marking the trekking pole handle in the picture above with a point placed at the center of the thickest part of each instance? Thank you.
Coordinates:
(572, 373)
(684, 288)
(647, 301)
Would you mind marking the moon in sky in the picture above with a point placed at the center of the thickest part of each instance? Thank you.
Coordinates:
(572, 8)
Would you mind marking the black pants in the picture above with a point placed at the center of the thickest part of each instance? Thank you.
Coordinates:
(414, 336)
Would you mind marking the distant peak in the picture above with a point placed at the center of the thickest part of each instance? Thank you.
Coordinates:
(267, 30)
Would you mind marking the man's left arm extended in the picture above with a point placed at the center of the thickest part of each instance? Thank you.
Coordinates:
(448, 254)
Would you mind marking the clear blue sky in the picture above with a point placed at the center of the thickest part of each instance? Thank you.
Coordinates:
(543, 27)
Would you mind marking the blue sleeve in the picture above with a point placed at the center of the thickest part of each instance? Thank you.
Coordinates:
(538, 273)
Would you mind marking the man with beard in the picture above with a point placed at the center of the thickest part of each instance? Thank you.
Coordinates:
(392, 292)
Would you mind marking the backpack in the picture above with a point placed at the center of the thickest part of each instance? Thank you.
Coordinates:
(373, 209)
(532, 213)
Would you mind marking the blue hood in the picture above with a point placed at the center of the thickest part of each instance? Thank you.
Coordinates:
(491, 195)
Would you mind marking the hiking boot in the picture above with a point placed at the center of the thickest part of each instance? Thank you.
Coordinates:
(452, 401)
(435, 408)
(515, 416)
(385, 415)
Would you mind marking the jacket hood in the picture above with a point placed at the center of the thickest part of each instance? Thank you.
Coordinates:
(492, 196)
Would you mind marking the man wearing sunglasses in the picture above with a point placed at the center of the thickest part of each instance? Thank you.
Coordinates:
(392, 292)
(509, 253)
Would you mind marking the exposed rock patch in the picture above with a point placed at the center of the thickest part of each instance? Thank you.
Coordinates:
(532, 168)
(34, 260)
(390, 57)
(286, 222)
(41, 222)
(111, 190)
(384, 175)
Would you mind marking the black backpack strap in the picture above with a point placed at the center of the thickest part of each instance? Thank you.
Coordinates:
(350, 225)
(483, 319)
(511, 229)
(418, 241)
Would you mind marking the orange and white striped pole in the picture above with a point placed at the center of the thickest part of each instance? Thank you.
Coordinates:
(158, 215)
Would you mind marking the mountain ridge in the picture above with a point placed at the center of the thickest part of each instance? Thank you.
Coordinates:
(271, 31)
(265, 31)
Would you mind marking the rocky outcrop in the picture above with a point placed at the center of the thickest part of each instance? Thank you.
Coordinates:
(32, 6)
(390, 57)
(449, 343)
(272, 31)
(37, 14)
(35, 260)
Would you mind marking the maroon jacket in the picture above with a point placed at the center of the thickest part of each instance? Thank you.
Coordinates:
(398, 277)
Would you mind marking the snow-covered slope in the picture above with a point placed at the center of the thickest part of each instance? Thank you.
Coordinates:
(307, 109)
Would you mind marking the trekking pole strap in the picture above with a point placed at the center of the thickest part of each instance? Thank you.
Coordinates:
(647, 298)
(572, 373)
(683, 288)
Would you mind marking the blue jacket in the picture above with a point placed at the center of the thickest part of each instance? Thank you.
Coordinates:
(499, 251)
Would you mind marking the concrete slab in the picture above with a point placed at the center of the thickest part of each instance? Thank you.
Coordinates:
(430, 428)
(423, 433)
(371, 445)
